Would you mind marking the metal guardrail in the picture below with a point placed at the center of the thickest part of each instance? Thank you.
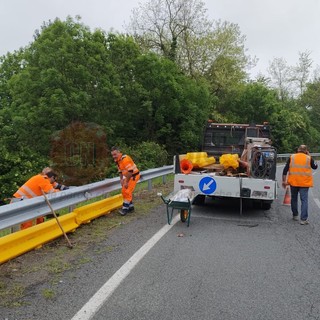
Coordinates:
(287, 155)
(19, 212)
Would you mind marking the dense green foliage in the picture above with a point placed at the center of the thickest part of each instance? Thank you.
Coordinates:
(151, 105)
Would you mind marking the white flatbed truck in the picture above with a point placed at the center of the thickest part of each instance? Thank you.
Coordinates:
(258, 185)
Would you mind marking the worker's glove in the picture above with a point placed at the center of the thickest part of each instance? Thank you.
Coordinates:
(61, 187)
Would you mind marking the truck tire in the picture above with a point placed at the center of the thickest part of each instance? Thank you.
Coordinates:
(199, 200)
(262, 205)
(266, 205)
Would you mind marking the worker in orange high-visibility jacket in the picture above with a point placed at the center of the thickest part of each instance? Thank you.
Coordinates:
(33, 188)
(55, 183)
(129, 176)
(297, 173)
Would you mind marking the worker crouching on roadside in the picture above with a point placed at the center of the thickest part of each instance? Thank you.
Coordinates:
(34, 187)
(129, 176)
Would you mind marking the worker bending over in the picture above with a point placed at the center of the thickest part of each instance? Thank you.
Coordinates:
(55, 183)
(129, 176)
(34, 187)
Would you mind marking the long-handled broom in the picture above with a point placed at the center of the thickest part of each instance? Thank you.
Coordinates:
(55, 215)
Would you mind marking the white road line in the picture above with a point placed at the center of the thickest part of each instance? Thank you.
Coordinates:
(101, 296)
(317, 202)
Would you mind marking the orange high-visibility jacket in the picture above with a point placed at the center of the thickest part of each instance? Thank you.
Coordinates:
(300, 171)
(126, 164)
(32, 188)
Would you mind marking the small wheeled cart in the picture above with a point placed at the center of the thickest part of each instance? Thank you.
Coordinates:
(181, 200)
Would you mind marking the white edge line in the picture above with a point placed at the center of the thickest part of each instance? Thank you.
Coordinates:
(317, 202)
(99, 298)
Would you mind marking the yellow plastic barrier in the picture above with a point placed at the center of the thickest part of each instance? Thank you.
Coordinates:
(196, 155)
(205, 162)
(200, 159)
(20, 242)
(94, 210)
(15, 244)
(229, 161)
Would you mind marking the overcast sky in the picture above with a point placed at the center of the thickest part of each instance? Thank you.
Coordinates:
(273, 28)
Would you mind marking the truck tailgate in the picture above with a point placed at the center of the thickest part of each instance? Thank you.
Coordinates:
(224, 186)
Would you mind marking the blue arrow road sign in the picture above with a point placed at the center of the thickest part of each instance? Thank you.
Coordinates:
(207, 185)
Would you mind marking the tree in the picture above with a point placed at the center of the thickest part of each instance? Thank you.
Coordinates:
(310, 101)
(160, 102)
(68, 77)
(301, 71)
(291, 128)
(181, 31)
(281, 75)
(79, 153)
(164, 25)
(290, 81)
(251, 102)
(172, 107)
(225, 59)
(16, 167)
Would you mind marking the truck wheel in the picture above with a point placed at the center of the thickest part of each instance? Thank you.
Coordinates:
(262, 205)
(266, 205)
(184, 215)
(199, 200)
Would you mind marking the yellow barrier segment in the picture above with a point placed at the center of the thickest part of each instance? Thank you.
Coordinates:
(15, 244)
(94, 210)
(20, 242)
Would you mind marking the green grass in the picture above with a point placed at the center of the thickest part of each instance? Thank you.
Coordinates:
(11, 295)
(5, 232)
(48, 293)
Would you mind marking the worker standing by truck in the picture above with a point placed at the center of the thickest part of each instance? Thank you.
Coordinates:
(298, 174)
(129, 176)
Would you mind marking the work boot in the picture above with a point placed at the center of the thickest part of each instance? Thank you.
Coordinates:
(123, 211)
(131, 208)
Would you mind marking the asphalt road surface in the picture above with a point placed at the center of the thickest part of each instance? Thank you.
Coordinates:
(261, 265)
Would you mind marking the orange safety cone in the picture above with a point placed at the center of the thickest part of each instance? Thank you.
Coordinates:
(287, 197)
(186, 166)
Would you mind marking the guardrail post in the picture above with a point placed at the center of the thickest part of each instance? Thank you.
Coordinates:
(164, 179)
(149, 185)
